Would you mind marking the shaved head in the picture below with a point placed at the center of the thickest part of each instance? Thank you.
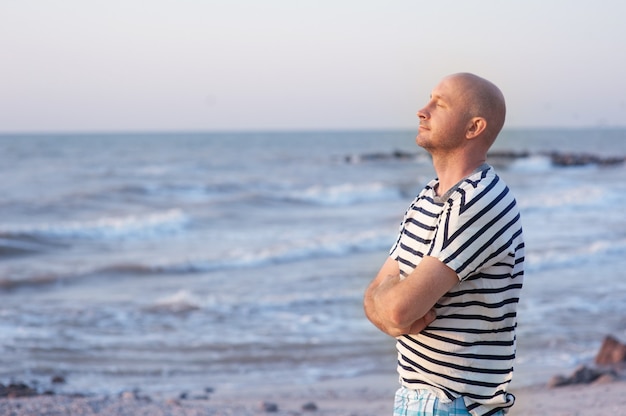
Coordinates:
(483, 99)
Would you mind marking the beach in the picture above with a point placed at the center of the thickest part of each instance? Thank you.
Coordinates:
(364, 396)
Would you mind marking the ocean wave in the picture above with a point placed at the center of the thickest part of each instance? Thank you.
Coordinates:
(324, 247)
(31, 280)
(344, 194)
(20, 246)
(594, 252)
(182, 192)
(330, 195)
(321, 247)
(249, 190)
(180, 302)
(535, 163)
(125, 227)
(569, 198)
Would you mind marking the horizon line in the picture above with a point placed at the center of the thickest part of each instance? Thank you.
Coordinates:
(72, 132)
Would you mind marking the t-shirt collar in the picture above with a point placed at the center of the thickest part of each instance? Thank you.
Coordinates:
(444, 197)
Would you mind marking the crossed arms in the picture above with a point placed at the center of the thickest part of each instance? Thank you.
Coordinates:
(399, 307)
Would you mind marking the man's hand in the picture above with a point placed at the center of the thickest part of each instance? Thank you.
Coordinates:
(416, 327)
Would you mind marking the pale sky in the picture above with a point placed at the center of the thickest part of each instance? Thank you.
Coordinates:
(203, 65)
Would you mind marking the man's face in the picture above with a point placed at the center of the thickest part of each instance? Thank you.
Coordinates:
(443, 120)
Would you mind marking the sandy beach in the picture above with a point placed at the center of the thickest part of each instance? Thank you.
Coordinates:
(364, 396)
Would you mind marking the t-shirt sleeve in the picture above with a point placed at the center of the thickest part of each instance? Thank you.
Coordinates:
(476, 228)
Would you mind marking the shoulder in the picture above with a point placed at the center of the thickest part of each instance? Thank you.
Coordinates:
(483, 179)
(481, 188)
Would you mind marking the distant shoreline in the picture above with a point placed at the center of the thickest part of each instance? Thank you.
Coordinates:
(559, 159)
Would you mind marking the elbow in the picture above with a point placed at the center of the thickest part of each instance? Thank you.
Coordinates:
(398, 317)
(405, 314)
(391, 310)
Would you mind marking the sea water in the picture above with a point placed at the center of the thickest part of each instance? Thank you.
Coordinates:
(177, 261)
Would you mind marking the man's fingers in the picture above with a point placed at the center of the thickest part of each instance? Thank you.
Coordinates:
(423, 322)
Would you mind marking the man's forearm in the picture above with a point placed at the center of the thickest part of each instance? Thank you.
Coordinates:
(372, 306)
(400, 302)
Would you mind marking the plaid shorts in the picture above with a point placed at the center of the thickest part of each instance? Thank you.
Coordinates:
(409, 402)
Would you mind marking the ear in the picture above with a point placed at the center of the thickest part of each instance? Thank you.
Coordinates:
(475, 127)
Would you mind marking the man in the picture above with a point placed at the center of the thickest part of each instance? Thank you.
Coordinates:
(449, 290)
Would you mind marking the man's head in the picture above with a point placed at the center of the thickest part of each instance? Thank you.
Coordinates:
(462, 107)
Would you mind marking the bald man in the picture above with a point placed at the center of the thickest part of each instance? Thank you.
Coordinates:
(448, 292)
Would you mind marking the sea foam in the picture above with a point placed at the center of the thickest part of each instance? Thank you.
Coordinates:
(121, 227)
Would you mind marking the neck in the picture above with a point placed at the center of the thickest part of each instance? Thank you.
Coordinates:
(451, 171)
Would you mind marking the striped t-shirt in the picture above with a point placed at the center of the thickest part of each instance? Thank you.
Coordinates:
(475, 229)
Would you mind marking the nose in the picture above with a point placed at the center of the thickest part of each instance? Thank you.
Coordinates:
(422, 114)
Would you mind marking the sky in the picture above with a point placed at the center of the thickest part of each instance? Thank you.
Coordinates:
(205, 65)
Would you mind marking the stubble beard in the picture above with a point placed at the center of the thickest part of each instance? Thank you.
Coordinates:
(437, 145)
(424, 141)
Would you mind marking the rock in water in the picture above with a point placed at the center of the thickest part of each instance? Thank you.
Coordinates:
(309, 407)
(269, 407)
(17, 390)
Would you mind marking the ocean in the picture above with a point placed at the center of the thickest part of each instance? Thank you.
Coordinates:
(182, 261)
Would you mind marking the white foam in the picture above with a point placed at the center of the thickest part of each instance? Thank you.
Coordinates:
(537, 163)
(330, 245)
(346, 194)
(590, 253)
(568, 198)
(131, 226)
(180, 302)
